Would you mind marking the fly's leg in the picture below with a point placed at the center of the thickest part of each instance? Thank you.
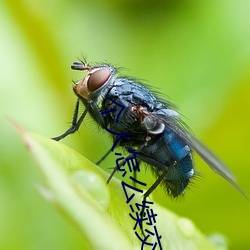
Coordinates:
(112, 174)
(75, 124)
(126, 142)
(164, 169)
(104, 157)
(134, 175)
(97, 113)
(145, 196)
(116, 168)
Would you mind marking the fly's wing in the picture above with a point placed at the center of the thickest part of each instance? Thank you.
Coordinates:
(174, 123)
(212, 160)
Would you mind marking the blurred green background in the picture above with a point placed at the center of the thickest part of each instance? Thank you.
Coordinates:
(196, 52)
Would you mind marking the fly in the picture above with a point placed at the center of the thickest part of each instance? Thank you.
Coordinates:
(154, 128)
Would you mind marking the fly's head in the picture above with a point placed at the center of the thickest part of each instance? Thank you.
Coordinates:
(96, 79)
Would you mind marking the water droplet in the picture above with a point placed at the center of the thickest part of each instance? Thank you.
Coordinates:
(186, 226)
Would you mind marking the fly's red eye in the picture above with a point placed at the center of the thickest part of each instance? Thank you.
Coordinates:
(97, 79)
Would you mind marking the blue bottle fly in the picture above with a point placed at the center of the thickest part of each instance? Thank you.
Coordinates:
(154, 128)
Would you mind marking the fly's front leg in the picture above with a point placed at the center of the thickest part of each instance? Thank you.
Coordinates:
(75, 123)
(95, 111)
(91, 107)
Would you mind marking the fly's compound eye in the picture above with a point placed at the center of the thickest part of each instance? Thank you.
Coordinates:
(97, 79)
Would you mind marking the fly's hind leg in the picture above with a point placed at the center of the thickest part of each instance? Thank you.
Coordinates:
(146, 195)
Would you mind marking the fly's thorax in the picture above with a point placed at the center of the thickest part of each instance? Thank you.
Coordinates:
(94, 85)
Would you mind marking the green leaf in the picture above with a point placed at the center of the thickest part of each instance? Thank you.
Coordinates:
(78, 189)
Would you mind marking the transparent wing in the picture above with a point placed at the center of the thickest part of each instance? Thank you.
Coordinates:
(175, 124)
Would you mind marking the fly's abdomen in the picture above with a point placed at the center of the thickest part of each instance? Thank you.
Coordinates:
(180, 168)
(178, 176)
(173, 157)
